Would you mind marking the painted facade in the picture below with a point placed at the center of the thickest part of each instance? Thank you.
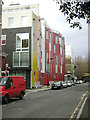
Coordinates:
(33, 49)
(52, 55)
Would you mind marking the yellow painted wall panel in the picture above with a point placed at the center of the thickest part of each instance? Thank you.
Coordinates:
(35, 54)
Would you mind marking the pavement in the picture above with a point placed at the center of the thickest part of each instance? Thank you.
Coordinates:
(41, 88)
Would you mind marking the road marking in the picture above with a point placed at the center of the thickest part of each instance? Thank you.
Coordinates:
(80, 112)
(76, 109)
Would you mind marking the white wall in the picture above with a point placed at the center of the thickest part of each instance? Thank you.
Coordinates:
(17, 12)
(43, 45)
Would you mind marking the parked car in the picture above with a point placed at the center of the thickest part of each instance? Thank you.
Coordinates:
(65, 85)
(57, 85)
(79, 81)
(11, 87)
(86, 80)
(69, 83)
(72, 82)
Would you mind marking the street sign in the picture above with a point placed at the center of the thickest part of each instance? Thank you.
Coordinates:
(47, 73)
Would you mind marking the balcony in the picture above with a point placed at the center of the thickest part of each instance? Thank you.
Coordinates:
(21, 59)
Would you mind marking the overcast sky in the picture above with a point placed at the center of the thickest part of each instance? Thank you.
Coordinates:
(49, 10)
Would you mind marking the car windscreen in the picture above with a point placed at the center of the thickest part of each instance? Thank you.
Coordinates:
(3, 81)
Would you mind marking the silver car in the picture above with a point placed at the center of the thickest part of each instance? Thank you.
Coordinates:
(69, 83)
(65, 85)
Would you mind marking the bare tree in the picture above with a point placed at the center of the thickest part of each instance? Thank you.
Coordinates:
(81, 66)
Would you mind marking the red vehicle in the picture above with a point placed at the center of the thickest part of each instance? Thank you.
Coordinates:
(11, 87)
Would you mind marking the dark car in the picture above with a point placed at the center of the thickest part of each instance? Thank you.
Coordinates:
(57, 85)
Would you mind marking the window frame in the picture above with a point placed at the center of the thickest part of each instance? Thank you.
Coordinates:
(9, 22)
(21, 46)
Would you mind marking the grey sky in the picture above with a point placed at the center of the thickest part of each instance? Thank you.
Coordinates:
(56, 20)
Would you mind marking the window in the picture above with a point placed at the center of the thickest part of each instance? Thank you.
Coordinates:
(61, 60)
(61, 68)
(61, 50)
(59, 40)
(10, 22)
(24, 21)
(16, 59)
(56, 60)
(50, 36)
(47, 34)
(49, 46)
(22, 42)
(56, 68)
(3, 39)
(20, 59)
(54, 49)
(47, 62)
(9, 83)
(49, 56)
(24, 58)
(56, 40)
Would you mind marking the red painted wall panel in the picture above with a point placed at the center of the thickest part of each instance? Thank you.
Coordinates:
(52, 75)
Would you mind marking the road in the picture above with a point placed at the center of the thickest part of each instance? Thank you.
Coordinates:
(46, 104)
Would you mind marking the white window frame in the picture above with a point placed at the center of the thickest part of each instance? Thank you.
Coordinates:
(19, 58)
(22, 49)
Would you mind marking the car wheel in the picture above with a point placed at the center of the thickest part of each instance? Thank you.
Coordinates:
(21, 96)
(6, 99)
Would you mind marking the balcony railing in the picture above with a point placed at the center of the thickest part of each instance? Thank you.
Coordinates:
(20, 59)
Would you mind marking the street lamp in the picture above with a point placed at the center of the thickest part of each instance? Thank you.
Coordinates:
(74, 67)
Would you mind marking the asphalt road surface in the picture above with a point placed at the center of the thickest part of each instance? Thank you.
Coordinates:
(46, 104)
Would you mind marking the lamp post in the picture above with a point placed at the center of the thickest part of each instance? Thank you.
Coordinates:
(74, 67)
